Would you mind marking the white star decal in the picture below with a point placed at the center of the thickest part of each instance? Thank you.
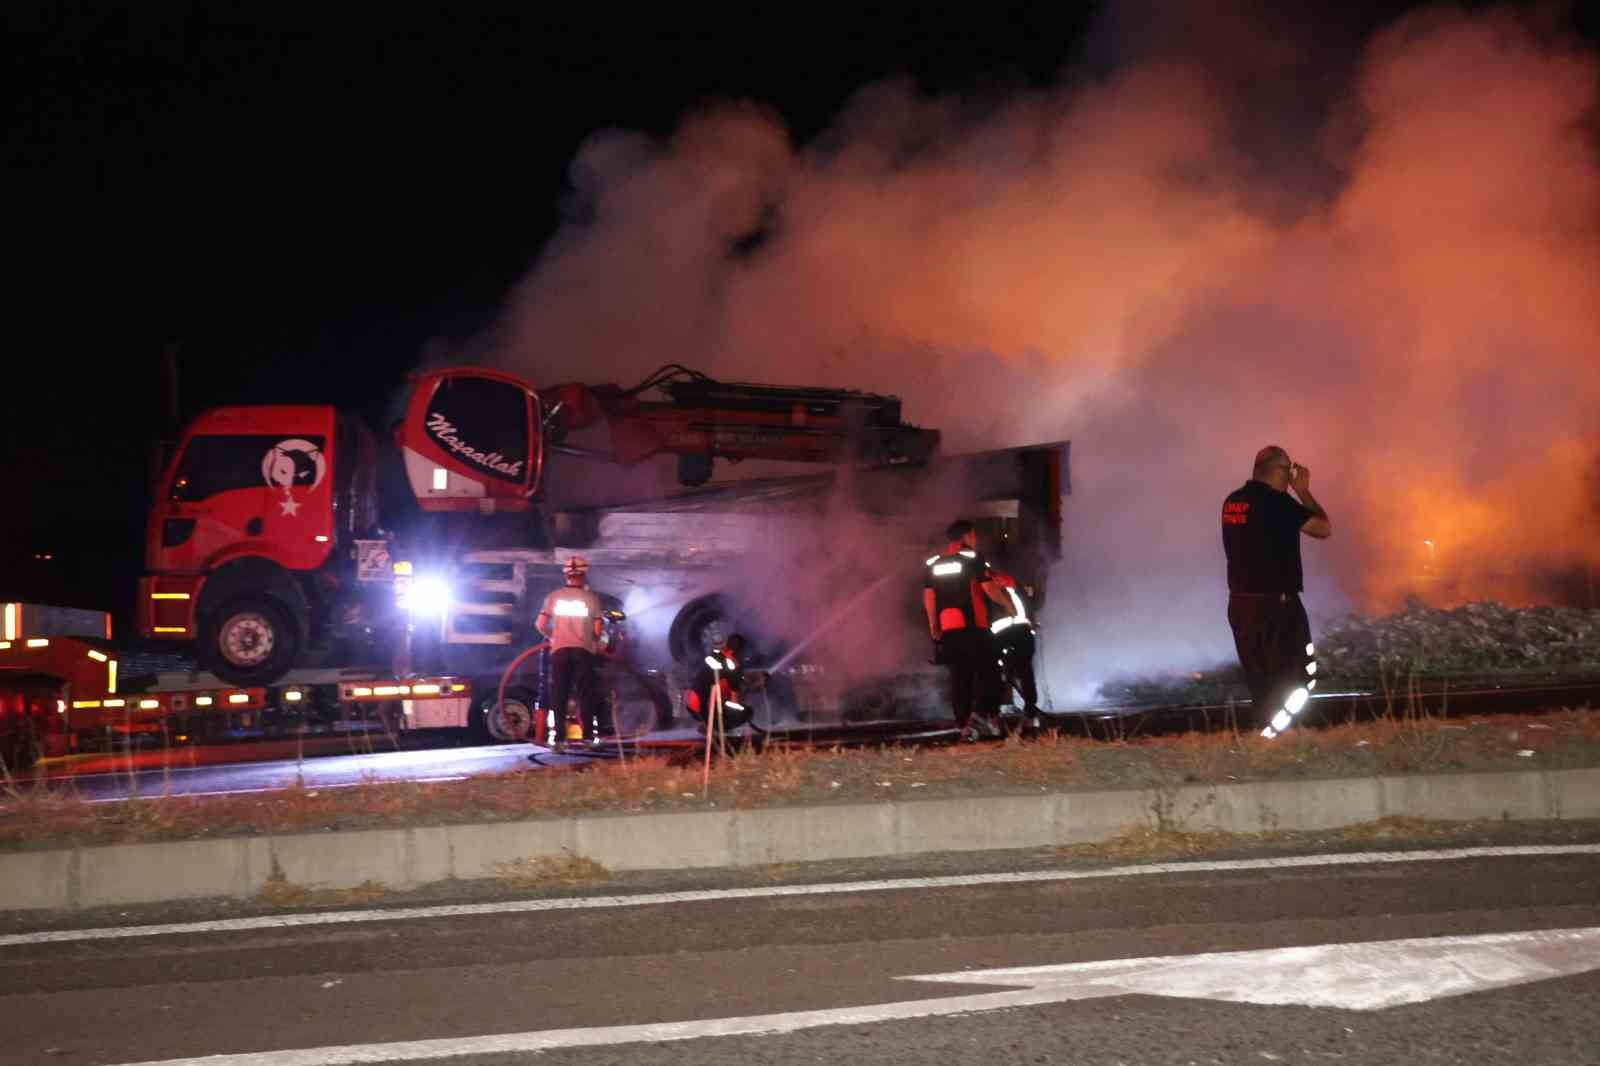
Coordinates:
(289, 506)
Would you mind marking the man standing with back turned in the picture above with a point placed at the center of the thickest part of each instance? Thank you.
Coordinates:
(571, 620)
(1261, 528)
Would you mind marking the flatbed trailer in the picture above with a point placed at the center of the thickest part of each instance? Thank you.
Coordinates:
(80, 694)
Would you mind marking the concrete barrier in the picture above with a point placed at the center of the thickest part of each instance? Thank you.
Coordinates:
(765, 836)
(475, 850)
(657, 841)
(139, 873)
(1572, 793)
(241, 867)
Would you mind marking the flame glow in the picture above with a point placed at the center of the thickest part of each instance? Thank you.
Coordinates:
(1395, 280)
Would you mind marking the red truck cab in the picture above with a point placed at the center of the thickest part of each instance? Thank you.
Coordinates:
(246, 508)
(255, 546)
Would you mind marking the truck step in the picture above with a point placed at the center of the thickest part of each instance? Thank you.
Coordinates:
(493, 610)
(454, 637)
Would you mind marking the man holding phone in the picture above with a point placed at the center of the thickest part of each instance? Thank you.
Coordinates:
(1261, 529)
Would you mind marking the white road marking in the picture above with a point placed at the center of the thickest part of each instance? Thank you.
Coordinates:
(578, 903)
(1367, 976)
(1364, 976)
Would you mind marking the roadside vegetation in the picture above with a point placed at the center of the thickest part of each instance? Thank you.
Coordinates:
(1421, 645)
(1408, 738)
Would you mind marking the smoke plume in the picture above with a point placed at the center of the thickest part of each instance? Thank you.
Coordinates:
(1385, 262)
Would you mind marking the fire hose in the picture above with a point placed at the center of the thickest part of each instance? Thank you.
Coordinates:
(500, 697)
(505, 678)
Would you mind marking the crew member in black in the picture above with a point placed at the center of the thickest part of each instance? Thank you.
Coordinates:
(1261, 528)
(955, 596)
(724, 669)
(1014, 639)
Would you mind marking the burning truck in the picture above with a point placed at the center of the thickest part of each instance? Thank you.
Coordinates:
(311, 563)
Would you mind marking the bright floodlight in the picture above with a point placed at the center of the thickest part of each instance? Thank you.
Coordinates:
(429, 597)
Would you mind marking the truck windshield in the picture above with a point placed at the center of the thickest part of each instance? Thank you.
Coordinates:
(214, 464)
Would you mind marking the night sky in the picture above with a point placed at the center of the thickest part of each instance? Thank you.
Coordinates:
(301, 196)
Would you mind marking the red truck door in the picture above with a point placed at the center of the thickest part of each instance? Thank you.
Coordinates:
(248, 481)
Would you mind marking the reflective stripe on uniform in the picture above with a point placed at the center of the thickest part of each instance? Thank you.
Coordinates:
(1022, 613)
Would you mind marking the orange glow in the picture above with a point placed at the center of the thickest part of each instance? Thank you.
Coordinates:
(1401, 291)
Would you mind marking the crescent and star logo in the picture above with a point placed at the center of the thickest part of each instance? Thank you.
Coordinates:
(291, 464)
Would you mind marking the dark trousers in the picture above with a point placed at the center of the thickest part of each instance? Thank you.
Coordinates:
(732, 717)
(571, 676)
(1271, 634)
(1016, 648)
(972, 659)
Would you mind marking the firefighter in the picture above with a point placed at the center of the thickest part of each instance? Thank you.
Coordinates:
(572, 619)
(1261, 529)
(1014, 636)
(723, 668)
(957, 594)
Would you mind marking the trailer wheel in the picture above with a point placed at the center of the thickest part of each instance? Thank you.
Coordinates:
(249, 642)
(699, 628)
(510, 722)
(640, 703)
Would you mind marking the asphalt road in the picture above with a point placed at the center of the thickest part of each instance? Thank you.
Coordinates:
(1471, 960)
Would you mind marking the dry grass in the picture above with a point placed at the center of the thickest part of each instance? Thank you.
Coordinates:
(1145, 843)
(547, 870)
(1150, 844)
(1397, 743)
(279, 892)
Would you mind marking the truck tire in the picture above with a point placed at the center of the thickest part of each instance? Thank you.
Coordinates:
(702, 624)
(641, 705)
(250, 642)
(513, 721)
(699, 628)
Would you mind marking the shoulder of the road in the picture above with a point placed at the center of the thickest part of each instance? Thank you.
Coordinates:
(402, 859)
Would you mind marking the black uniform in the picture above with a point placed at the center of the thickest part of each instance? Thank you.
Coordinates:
(1261, 538)
(1015, 641)
(966, 646)
(572, 676)
(723, 668)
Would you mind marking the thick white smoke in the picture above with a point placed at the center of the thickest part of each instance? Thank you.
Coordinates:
(1168, 272)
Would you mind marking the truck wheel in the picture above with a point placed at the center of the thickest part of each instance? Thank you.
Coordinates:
(640, 703)
(702, 625)
(249, 642)
(699, 628)
(510, 722)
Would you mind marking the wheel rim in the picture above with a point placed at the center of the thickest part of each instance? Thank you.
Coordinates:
(714, 634)
(247, 639)
(634, 706)
(511, 720)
